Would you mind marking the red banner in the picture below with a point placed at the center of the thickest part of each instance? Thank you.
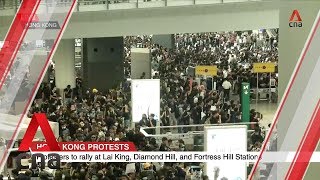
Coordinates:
(87, 146)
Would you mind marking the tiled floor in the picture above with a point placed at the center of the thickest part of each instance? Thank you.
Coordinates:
(268, 111)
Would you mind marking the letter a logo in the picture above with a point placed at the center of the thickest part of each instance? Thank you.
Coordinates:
(295, 16)
(42, 121)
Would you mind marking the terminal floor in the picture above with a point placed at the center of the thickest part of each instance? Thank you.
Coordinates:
(268, 110)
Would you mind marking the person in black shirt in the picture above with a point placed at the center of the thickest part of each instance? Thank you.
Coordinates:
(143, 76)
(257, 137)
(164, 145)
(143, 122)
(181, 171)
(185, 120)
(68, 94)
(45, 107)
(196, 115)
(152, 122)
(39, 94)
(46, 92)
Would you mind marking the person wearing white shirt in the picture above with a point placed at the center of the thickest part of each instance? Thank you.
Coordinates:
(225, 73)
(244, 40)
(226, 89)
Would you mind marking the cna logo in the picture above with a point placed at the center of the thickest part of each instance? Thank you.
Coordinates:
(39, 120)
(295, 19)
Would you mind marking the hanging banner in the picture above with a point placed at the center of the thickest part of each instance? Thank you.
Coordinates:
(264, 67)
(206, 70)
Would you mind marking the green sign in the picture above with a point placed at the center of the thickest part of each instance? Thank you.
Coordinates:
(245, 102)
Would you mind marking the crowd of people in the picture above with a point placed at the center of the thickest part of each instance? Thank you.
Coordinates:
(187, 101)
(91, 115)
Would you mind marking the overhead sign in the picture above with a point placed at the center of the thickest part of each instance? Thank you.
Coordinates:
(206, 70)
(264, 67)
(218, 140)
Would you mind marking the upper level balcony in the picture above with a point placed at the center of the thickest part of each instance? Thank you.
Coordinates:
(9, 7)
(102, 18)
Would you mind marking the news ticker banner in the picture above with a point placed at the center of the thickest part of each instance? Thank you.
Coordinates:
(86, 146)
(23, 63)
(206, 157)
(127, 152)
(298, 113)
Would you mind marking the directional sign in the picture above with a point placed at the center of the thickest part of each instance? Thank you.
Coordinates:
(264, 67)
(206, 70)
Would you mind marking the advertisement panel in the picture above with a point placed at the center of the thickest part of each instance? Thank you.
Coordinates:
(145, 95)
(226, 139)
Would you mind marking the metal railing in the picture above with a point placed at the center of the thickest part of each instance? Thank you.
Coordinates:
(9, 4)
(94, 5)
(193, 135)
(143, 129)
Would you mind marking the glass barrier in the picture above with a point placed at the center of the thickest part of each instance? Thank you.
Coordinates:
(193, 135)
(193, 139)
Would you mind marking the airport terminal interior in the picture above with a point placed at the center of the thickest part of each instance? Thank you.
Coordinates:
(156, 87)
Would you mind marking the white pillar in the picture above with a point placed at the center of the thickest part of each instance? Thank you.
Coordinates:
(140, 63)
(64, 59)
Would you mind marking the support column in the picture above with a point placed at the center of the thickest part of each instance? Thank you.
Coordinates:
(165, 40)
(103, 62)
(140, 63)
(64, 64)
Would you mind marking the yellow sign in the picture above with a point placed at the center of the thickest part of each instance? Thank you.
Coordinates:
(206, 70)
(264, 67)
